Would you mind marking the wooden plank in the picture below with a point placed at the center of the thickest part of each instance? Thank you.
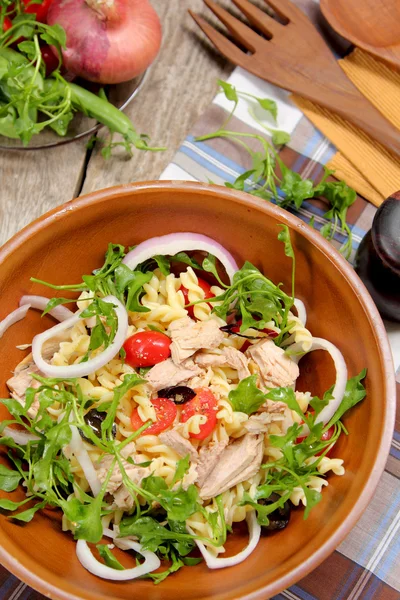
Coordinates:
(180, 86)
(32, 182)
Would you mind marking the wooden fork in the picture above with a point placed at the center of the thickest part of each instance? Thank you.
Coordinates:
(295, 57)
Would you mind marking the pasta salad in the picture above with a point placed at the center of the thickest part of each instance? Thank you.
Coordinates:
(163, 409)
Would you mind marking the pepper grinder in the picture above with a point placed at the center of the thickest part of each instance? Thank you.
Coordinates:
(377, 260)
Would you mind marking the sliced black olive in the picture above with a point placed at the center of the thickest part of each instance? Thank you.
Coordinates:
(280, 517)
(178, 393)
(94, 419)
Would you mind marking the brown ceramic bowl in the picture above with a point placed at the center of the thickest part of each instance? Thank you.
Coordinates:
(71, 240)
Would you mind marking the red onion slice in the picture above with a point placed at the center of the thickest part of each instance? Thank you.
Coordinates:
(61, 313)
(168, 245)
(301, 310)
(82, 456)
(15, 316)
(341, 376)
(86, 558)
(19, 436)
(92, 365)
(220, 563)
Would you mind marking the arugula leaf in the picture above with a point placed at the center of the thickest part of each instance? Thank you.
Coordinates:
(354, 393)
(130, 381)
(286, 395)
(132, 282)
(295, 188)
(53, 302)
(280, 138)
(247, 397)
(10, 505)
(181, 469)
(184, 258)
(56, 438)
(150, 533)
(109, 557)
(263, 510)
(85, 517)
(180, 504)
(154, 484)
(269, 105)
(9, 480)
(55, 36)
(209, 265)
(229, 90)
(177, 563)
(27, 515)
(284, 236)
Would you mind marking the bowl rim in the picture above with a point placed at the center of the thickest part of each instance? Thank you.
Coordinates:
(347, 271)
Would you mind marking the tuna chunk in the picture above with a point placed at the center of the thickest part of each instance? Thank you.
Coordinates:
(238, 462)
(22, 378)
(174, 440)
(237, 360)
(208, 458)
(210, 360)
(167, 373)
(188, 336)
(259, 423)
(122, 496)
(230, 357)
(276, 369)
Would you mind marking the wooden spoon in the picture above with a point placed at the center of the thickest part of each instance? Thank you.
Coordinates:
(373, 25)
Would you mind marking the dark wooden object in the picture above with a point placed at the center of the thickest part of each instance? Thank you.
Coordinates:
(295, 57)
(378, 258)
(373, 25)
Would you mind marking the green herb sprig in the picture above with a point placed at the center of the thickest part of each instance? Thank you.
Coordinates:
(268, 171)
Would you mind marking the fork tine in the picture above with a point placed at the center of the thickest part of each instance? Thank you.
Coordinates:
(285, 9)
(243, 34)
(257, 17)
(229, 50)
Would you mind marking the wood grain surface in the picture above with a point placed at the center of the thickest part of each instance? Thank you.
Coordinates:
(180, 85)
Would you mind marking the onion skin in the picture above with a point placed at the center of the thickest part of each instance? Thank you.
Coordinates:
(108, 41)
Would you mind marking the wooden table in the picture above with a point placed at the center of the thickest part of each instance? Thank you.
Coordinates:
(180, 85)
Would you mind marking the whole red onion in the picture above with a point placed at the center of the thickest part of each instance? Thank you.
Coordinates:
(108, 41)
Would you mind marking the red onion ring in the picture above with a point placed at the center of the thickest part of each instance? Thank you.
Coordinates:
(83, 458)
(92, 365)
(168, 245)
(87, 560)
(220, 563)
(61, 313)
(15, 316)
(341, 376)
(301, 310)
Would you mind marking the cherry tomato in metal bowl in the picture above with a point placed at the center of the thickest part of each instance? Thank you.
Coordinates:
(204, 403)
(147, 348)
(165, 415)
(40, 10)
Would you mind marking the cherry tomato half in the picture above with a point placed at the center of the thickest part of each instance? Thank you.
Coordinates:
(147, 348)
(7, 24)
(40, 10)
(165, 414)
(204, 403)
(205, 286)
